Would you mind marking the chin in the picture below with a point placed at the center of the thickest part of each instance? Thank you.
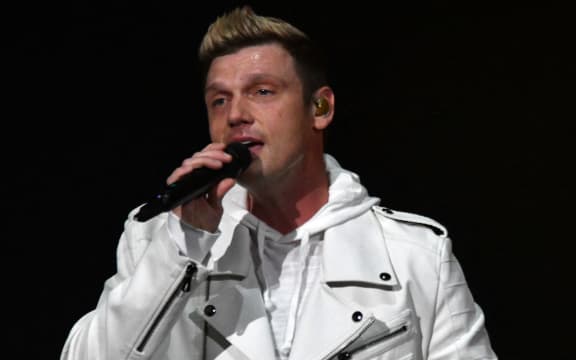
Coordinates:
(251, 174)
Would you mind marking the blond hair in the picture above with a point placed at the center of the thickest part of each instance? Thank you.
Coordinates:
(241, 28)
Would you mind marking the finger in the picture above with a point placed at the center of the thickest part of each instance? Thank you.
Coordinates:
(196, 163)
(207, 154)
(214, 146)
(211, 158)
(183, 170)
(217, 193)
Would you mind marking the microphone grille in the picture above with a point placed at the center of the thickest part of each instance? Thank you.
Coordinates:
(240, 153)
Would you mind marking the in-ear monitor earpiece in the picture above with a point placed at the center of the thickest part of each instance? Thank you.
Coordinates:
(322, 106)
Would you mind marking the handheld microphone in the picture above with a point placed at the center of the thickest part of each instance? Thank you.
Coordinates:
(196, 183)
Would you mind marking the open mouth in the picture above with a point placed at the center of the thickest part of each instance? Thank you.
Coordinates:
(252, 144)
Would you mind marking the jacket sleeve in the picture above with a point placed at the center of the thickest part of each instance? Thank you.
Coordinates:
(458, 331)
(140, 303)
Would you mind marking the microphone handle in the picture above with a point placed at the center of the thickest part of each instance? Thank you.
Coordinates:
(189, 187)
(196, 183)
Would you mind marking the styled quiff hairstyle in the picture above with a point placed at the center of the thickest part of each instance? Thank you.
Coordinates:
(241, 28)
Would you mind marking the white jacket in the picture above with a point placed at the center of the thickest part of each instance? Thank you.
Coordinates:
(390, 288)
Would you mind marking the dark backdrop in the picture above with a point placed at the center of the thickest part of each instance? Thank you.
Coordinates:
(462, 114)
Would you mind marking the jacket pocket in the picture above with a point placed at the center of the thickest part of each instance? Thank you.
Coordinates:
(157, 321)
(393, 339)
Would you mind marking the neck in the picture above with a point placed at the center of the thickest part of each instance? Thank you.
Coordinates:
(291, 202)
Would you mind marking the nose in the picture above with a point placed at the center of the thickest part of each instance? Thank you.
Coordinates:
(239, 113)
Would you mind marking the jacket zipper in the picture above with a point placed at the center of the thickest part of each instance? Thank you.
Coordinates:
(183, 287)
(391, 334)
(351, 338)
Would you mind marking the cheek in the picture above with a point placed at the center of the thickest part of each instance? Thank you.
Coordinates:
(216, 130)
(291, 121)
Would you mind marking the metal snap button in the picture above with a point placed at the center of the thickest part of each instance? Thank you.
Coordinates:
(209, 310)
(385, 276)
(344, 355)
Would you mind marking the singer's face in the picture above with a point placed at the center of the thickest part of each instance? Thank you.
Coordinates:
(255, 95)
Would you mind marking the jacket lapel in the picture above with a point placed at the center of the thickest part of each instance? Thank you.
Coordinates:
(354, 255)
(326, 326)
(239, 321)
(235, 314)
(355, 252)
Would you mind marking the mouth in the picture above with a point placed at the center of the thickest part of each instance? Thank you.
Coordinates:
(253, 145)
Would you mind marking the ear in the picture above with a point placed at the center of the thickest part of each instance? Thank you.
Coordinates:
(323, 107)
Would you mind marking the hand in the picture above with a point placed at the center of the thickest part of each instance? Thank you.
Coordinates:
(204, 212)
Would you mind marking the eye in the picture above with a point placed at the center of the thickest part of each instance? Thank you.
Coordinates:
(264, 92)
(218, 102)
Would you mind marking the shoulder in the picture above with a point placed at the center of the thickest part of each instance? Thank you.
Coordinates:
(143, 229)
(410, 228)
(137, 235)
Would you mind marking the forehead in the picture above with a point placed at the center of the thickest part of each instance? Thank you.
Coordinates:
(271, 59)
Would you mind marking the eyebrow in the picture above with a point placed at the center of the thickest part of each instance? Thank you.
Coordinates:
(214, 87)
(252, 79)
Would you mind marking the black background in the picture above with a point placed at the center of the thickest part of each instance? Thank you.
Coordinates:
(463, 114)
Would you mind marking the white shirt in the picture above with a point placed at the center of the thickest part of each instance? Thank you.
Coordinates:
(288, 268)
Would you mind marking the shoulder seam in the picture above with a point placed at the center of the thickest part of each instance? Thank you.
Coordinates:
(406, 217)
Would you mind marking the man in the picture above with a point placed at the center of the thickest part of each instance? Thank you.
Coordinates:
(295, 261)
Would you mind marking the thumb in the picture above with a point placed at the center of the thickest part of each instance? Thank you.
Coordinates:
(218, 192)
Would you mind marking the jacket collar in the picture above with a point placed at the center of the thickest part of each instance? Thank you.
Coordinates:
(355, 253)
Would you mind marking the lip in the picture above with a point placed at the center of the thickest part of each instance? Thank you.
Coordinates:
(254, 144)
